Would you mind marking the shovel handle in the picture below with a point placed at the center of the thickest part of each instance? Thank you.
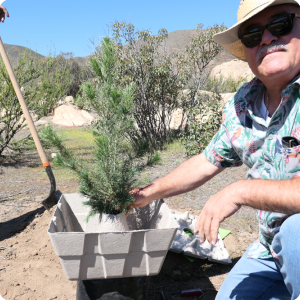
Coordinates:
(24, 106)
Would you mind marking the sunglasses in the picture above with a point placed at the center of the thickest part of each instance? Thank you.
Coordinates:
(278, 27)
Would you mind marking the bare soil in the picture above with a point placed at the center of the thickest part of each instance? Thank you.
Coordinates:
(29, 268)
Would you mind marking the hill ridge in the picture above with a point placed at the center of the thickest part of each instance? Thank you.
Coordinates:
(176, 42)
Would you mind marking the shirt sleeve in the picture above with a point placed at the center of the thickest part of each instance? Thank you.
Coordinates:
(220, 151)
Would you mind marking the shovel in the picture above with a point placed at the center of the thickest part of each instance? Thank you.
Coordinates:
(49, 201)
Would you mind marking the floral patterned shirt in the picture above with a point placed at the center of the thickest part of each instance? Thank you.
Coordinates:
(245, 137)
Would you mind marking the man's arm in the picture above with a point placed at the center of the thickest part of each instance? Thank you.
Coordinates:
(188, 176)
(277, 196)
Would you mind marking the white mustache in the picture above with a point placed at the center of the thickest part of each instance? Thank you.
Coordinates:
(273, 46)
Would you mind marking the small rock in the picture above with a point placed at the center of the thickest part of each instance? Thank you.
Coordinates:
(176, 275)
(69, 99)
(250, 229)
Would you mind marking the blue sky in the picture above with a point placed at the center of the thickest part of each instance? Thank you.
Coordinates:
(70, 25)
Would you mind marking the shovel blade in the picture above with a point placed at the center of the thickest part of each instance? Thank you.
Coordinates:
(50, 200)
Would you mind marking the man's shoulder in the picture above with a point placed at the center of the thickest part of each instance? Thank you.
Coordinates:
(237, 99)
(244, 91)
(236, 107)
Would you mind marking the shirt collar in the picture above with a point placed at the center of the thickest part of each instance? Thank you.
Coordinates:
(253, 95)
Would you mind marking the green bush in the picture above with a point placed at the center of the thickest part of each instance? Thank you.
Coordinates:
(223, 85)
(43, 83)
(81, 100)
(77, 74)
(144, 61)
(204, 121)
(194, 62)
(160, 77)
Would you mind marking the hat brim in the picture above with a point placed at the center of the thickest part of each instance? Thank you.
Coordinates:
(228, 38)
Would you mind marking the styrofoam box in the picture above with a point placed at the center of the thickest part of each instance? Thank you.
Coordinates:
(87, 254)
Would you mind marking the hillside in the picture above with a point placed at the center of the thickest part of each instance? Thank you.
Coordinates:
(179, 39)
(14, 52)
(81, 60)
(176, 42)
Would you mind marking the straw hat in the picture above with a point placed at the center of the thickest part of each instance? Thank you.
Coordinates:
(229, 40)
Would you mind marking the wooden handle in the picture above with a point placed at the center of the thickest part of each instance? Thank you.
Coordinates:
(23, 105)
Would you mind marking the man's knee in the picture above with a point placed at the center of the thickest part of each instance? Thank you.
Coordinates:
(289, 233)
(290, 227)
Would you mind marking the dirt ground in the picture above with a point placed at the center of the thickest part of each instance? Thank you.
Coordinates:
(29, 268)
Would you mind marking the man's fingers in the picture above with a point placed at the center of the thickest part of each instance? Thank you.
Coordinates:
(4, 10)
(206, 227)
(199, 227)
(214, 229)
(196, 229)
(127, 214)
(140, 199)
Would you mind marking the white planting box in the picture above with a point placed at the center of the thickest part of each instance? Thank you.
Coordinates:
(85, 253)
(190, 244)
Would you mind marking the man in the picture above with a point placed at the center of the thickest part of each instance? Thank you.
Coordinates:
(261, 128)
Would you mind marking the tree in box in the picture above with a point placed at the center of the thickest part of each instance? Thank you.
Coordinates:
(109, 182)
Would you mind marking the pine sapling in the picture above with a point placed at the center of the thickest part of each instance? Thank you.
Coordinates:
(109, 180)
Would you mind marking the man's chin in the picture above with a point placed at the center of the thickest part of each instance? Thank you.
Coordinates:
(274, 67)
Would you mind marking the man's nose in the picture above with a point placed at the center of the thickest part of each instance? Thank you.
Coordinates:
(267, 38)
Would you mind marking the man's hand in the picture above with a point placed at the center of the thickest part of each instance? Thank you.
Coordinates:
(139, 197)
(216, 209)
(3, 12)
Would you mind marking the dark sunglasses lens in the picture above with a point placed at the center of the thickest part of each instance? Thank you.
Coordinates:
(252, 39)
(281, 26)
